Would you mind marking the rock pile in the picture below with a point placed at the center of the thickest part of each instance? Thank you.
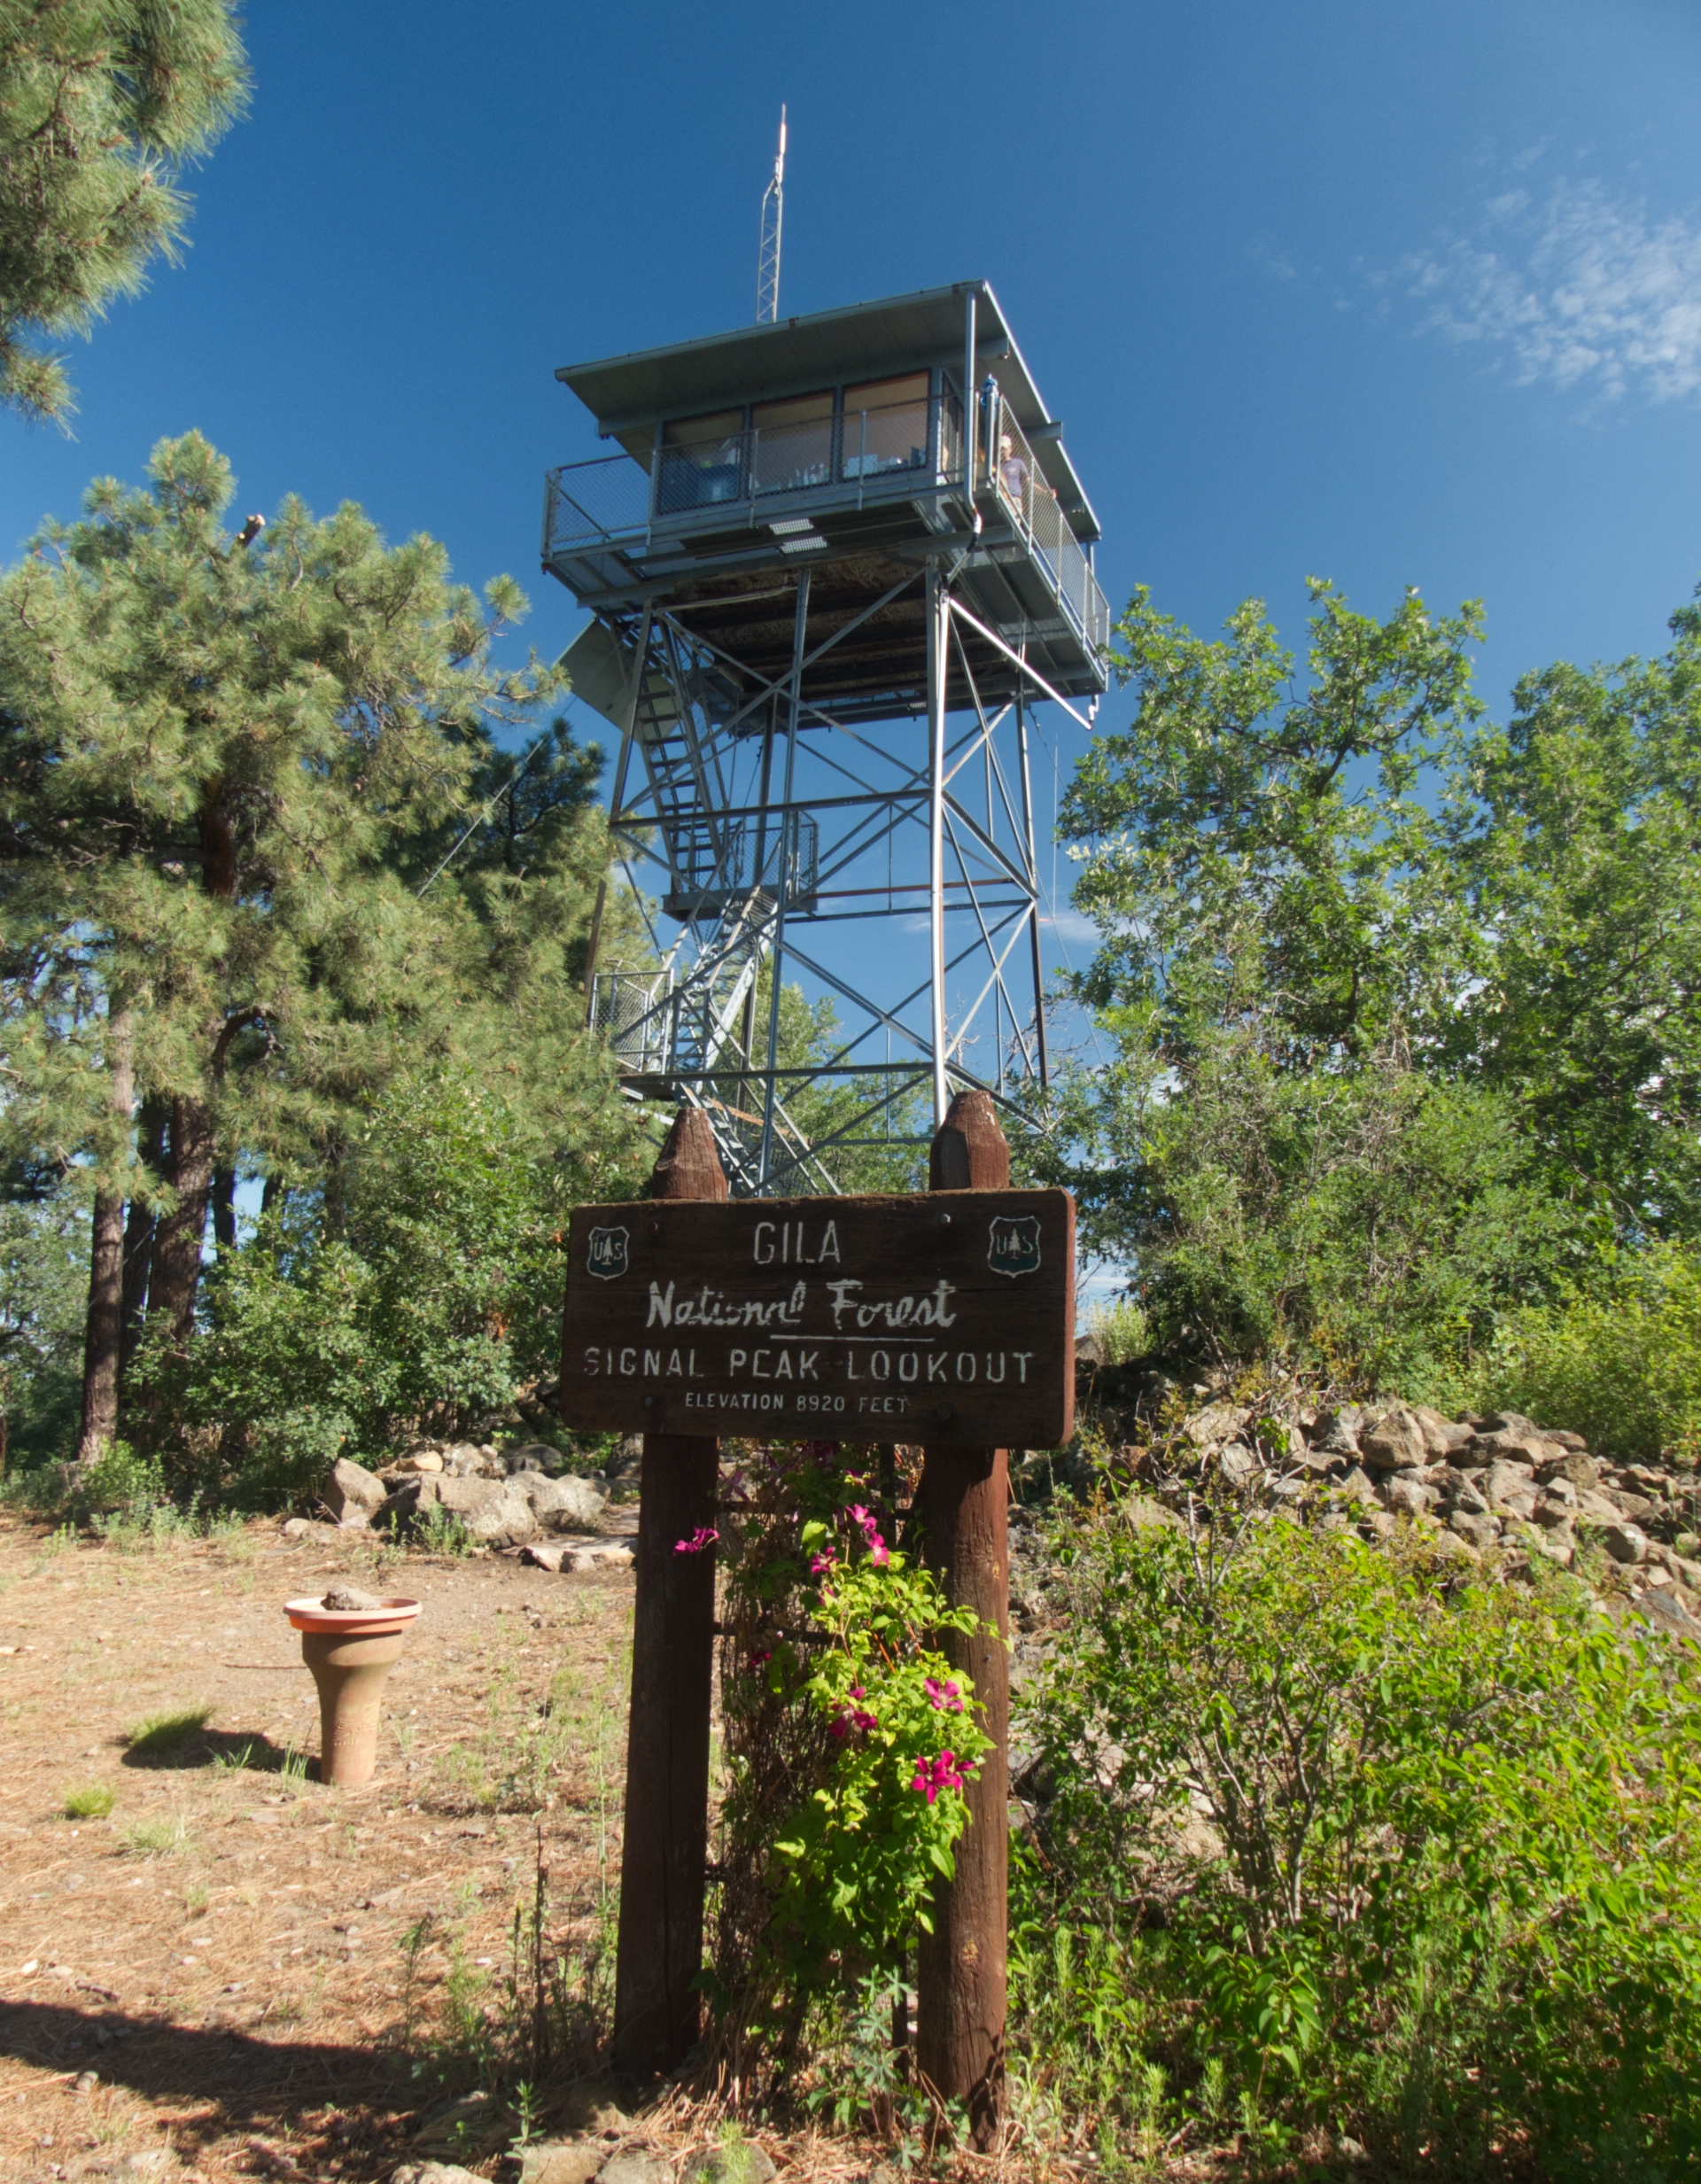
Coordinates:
(504, 1500)
(1496, 1488)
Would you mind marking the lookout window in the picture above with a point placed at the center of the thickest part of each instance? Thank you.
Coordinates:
(886, 426)
(791, 445)
(702, 461)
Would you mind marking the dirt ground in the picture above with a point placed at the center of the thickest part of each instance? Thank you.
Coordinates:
(238, 1972)
(237, 1967)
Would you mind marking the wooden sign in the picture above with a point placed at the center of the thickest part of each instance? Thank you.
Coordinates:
(944, 1319)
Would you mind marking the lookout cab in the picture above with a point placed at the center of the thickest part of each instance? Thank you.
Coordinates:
(817, 533)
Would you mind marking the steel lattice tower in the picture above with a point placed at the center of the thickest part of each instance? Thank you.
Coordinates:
(840, 561)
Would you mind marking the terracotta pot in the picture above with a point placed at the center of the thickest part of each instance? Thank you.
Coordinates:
(350, 1652)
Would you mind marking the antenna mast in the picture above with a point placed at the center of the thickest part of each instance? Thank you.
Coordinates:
(768, 256)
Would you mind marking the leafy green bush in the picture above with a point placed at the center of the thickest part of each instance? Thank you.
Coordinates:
(1364, 1215)
(1410, 1858)
(1617, 1360)
(415, 1300)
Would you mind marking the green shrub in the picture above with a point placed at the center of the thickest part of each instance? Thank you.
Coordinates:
(1407, 1857)
(1363, 1216)
(416, 1301)
(1120, 1329)
(1618, 1361)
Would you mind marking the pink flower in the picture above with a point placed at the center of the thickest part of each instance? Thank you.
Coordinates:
(862, 1516)
(705, 1536)
(933, 1776)
(818, 1563)
(944, 1697)
(849, 1718)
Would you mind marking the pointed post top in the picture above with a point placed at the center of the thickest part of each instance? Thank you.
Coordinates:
(970, 1152)
(688, 1164)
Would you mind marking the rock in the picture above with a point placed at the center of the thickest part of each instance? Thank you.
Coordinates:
(350, 1600)
(1407, 1495)
(1688, 1571)
(464, 1461)
(1664, 1607)
(1555, 1515)
(1216, 1423)
(1336, 1431)
(1395, 1441)
(416, 1460)
(1558, 1542)
(1237, 1464)
(534, 1456)
(1441, 1436)
(1355, 1487)
(560, 1504)
(354, 1495)
(1448, 1546)
(1625, 1543)
(1139, 1510)
(1525, 1447)
(1481, 1532)
(1512, 1483)
(572, 1558)
(433, 2172)
(1469, 1501)
(588, 2107)
(490, 1509)
(148, 2162)
(1594, 1508)
(1506, 1422)
(739, 2164)
(562, 2164)
(627, 1455)
(635, 2167)
(1377, 1524)
(1628, 1505)
(295, 1528)
(1567, 1439)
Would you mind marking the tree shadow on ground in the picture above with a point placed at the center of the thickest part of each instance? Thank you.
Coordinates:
(234, 2082)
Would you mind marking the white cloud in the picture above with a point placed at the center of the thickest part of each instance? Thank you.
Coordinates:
(1579, 288)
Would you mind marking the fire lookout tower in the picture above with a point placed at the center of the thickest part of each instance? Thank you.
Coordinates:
(819, 533)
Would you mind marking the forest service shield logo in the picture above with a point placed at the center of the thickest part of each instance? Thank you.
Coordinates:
(607, 1255)
(1013, 1245)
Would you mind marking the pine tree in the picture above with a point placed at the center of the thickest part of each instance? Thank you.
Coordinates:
(101, 102)
(227, 762)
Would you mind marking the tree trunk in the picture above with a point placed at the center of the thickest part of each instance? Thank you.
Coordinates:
(139, 1226)
(224, 1209)
(178, 1240)
(103, 1335)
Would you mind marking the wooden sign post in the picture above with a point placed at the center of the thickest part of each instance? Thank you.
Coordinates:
(942, 1320)
(961, 1989)
(665, 1845)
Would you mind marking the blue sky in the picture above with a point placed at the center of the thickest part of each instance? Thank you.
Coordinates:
(1394, 295)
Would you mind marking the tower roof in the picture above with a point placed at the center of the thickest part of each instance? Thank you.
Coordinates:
(796, 355)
